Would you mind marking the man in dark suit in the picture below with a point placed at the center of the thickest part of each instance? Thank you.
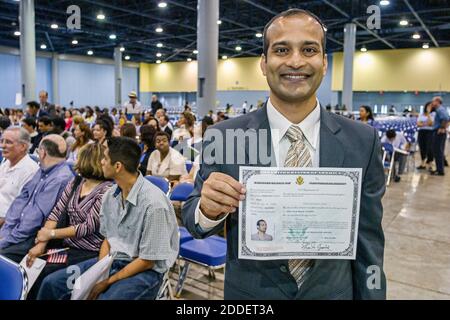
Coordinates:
(294, 63)
(34, 110)
(156, 104)
(45, 105)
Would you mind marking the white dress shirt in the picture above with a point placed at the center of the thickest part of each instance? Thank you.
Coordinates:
(12, 179)
(279, 125)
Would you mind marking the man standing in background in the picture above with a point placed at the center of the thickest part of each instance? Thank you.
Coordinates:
(45, 105)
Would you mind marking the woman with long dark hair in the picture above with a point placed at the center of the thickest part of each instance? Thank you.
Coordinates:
(425, 138)
(366, 115)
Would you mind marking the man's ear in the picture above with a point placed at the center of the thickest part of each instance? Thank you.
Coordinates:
(325, 64)
(263, 63)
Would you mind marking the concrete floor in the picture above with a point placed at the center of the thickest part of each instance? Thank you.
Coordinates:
(417, 255)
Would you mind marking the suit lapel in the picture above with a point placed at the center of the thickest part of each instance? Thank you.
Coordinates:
(331, 148)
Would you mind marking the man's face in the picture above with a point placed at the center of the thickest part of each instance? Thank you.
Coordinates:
(262, 226)
(162, 121)
(162, 144)
(159, 113)
(11, 146)
(109, 170)
(32, 111)
(44, 128)
(98, 133)
(295, 64)
(154, 98)
(133, 100)
(42, 97)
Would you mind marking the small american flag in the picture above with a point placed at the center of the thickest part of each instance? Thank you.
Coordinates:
(56, 256)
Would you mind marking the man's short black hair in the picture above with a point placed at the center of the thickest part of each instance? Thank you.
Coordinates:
(45, 120)
(126, 151)
(30, 121)
(33, 104)
(259, 221)
(4, 122)
(52, 149)
(390, 134)
(161, 134)
(58, 124)
(289, 13)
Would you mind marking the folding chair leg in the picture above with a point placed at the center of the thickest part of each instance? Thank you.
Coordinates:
(211, 274)
(182, 278)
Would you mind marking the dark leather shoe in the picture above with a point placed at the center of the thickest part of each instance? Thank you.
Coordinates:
(435, 173)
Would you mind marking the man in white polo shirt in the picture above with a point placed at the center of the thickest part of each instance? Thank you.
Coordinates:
(133, 106)
(18, 168)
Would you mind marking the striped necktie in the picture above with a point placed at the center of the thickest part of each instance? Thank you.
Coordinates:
(298, 156)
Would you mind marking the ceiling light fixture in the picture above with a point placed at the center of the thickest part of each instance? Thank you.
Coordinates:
(158, 61)
(426, 46)
(127, 57)
(54, 26)
(43, 46)
(101, 16)
(384, 3)
(162, 4)
(363, 49)
(90, 53)
(74, 41)
(259, 35)
(224, 57)
(159, 29)
(238, 48)
(159, 54)
(112, 36)
(17, 33)
(416, 36)
(403, 22)
(159, 45)
(122, 49)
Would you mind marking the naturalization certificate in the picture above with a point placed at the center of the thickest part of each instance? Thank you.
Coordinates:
(299, 213)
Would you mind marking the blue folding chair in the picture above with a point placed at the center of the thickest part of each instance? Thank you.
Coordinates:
(161, 182)
(34, 157)
(210, 252)
(184, 235)
(13, 280)
(189, 165)
(181, 191)
(388, 150)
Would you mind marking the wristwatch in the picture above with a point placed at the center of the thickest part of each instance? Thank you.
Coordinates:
(53, 234)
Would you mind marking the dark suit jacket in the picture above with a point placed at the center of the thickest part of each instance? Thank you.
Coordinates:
(343, 143)
(49, 108)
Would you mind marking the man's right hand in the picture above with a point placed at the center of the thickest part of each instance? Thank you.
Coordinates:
(220, 194)
(35, 252)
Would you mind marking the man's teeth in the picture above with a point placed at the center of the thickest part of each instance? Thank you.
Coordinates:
(295, 77)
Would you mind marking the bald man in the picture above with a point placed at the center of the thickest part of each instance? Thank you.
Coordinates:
(30, 209)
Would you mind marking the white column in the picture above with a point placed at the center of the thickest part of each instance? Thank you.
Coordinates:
(349, 52)
(118, 75)
(208, 51)
(55, 78)
(27, 50)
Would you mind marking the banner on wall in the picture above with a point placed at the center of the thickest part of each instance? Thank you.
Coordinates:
(18, 99)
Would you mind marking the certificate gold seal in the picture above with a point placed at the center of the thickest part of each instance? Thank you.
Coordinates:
(299, 180)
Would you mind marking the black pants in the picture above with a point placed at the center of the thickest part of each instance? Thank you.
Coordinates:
(74, 256)
(438, 149)
(425, 140)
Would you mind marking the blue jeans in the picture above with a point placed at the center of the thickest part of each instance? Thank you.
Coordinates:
(142, 286)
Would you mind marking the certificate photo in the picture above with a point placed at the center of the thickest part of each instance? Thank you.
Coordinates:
(261, 233)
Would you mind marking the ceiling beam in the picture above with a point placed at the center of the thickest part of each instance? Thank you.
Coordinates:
(259, 6)
(421, 22)
(336, 8)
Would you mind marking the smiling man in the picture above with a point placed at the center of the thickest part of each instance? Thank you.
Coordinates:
(300, 133)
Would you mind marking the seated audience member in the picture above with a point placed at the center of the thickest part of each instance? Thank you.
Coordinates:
(75, 218)
(185, 127)
(164, 123)
(34, 110)
(138, 223)
(45, 125)
(36, 200)
(102, 130)
(166, 161)
(5, 123)
(136, 121)
(401, 145)
(68, 118)
(30, 125)
(128, 130)
(366, 115)
(18, 168)
(83, 136)
(152, 122)
(147, 139)
(190, 177)
(59, 126)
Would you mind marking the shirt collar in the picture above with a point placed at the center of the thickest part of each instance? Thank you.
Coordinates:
(279, 122)
(50, 169)
(132, 196)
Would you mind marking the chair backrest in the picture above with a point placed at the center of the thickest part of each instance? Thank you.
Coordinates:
(181, 191)
(389, 148)
(161, 182)
(188, 166)
(13, 283)
(34, 157)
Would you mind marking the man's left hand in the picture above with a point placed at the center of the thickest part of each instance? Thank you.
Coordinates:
(98, 289)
